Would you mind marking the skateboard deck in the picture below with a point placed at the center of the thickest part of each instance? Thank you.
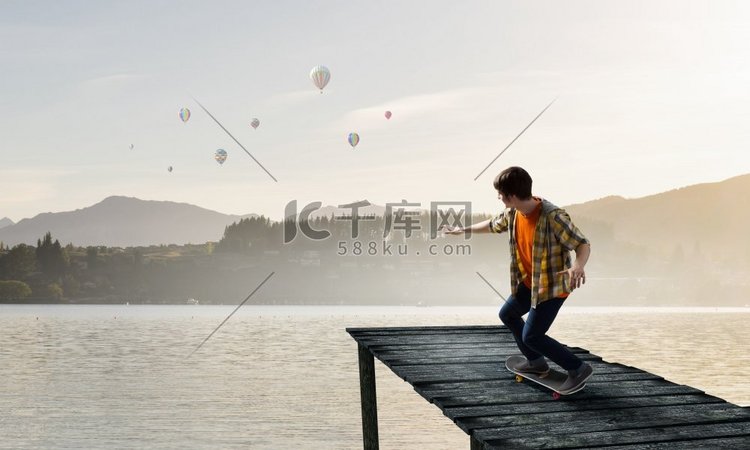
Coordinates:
(553, 380)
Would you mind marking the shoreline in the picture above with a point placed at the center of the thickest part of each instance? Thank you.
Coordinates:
(400, 309)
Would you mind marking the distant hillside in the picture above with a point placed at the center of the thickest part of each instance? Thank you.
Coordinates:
(122, 222)
(708, 215)
(328, 210)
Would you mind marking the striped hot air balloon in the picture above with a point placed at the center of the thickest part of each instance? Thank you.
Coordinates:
(220, 156)
(320, 76)
(255, 123)
(353, 139)
(184, 114)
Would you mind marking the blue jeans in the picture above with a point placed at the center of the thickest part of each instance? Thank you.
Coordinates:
(530, 336)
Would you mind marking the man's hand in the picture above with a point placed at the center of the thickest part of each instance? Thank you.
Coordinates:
(576, 274)
(452, 230)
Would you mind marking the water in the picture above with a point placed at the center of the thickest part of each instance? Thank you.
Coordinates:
(287, 377)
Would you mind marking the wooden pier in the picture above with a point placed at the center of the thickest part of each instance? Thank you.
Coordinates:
(461, 369)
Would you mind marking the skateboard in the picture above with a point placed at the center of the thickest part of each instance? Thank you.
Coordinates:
(553, 380)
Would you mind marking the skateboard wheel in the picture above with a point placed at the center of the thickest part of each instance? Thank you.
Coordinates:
(555, 396)
(519, 378)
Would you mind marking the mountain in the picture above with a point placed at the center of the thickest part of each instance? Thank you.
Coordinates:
(124, 221)
(709, 216)
(5, 222)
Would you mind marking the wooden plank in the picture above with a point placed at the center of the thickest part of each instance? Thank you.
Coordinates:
(620, 415)
(526, 403)
(742, 442)
(456, 332)
(475, 444)
(441, 388)
(635, 436)
(465, 349)
(598, 391)
(468, 350)
(599, 365)
(442, 345)
(467, 412)
(352, 330)
(407, 333)
(368, 399)
(611, 420)
(437, 339)
(430, 390)
(413, 337)
(437, 352)
(464, 360)
(432, 373)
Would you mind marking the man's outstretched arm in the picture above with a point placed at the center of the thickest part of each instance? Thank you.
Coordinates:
(481, 227)
(497, 224)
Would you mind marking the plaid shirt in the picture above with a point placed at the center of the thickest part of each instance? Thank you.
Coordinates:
(554, 238)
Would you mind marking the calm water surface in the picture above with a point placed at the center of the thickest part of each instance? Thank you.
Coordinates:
(287, 377)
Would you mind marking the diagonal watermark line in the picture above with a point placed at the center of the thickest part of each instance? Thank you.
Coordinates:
(491, 287)
(235, 140)
(514, 140)
(230, 315)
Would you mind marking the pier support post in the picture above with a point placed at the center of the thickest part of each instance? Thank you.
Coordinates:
(369, 399)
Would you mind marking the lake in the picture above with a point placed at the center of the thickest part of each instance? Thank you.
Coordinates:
(119, 376)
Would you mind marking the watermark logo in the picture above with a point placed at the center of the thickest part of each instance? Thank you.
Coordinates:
(450, 217)
(292, 222)
(398, 219)
(354, 217)
(401, 219)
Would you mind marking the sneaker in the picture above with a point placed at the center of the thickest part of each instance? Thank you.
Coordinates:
(540, 368)
(576, 379)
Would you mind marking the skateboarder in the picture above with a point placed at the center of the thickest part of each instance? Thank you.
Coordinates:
(541, 273)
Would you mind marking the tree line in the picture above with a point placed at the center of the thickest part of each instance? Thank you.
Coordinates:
(314, 270)
(50, 271)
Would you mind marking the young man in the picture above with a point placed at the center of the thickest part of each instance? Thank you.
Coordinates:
(541, 273)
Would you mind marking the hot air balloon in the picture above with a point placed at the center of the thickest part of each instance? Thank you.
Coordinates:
(320, 75)
(220, 156)
(388, 115)
(353, 139)
(255, 123)
(131, 146)
(184, 114)
(169, 169)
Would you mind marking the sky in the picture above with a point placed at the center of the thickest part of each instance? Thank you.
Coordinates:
(649, 96)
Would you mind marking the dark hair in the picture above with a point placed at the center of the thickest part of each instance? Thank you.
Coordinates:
(513, 181)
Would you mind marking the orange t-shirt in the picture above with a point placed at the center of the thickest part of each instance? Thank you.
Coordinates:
(525, 229)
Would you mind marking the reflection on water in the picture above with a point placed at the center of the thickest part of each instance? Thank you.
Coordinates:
(287, 377)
